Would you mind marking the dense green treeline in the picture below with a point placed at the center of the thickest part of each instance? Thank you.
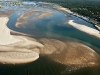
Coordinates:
(88, 8)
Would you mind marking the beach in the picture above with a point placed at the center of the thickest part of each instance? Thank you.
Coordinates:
(65, 10)
(84, 28)
(12, 48)
(5, 37)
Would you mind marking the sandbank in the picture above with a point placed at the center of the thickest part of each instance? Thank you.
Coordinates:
(70, 53)
(5, 37)
(18, 57)
(12, 48)
(31, 15)
(84, 28)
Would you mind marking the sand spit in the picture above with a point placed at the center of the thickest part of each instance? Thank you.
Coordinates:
(23, 18)
(84, 28)
(31, 15)
(16, 49)
(5, 37)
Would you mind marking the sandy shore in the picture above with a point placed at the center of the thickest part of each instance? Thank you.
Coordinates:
(65, 10)
(84, 28)
(5, 37)
(15, 49)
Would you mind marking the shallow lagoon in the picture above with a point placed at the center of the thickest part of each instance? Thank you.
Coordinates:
(51, 27)
(54, 26)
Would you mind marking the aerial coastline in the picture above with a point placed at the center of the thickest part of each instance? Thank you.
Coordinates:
(21, 52)
(49, 37)
(27, 50)
(87, 19)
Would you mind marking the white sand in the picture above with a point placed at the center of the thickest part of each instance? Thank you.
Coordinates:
(15, 49)
(84, 28)
(5, 36)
